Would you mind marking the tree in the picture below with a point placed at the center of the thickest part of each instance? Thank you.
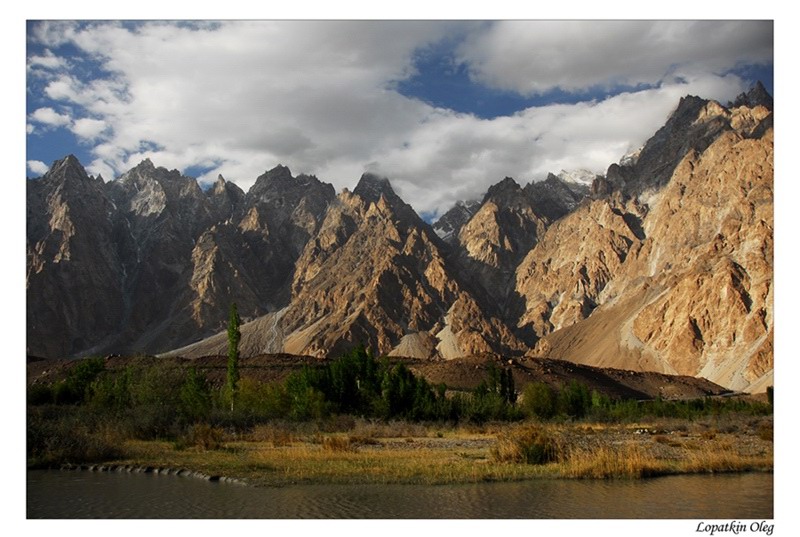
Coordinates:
(234, 335)
(195, 396)
(539, 400)
(511, 390)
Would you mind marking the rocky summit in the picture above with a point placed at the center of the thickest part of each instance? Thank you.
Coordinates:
(664, 263)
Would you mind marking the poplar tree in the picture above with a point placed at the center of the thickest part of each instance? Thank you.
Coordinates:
(234, 335)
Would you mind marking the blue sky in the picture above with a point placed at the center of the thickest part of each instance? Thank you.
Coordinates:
(442, 108)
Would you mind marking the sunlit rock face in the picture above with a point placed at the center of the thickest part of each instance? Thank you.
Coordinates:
(665, 263)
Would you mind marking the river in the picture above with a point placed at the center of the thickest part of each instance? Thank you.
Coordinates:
(81, 494)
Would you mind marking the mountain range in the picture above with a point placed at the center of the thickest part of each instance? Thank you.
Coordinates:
(664, 263)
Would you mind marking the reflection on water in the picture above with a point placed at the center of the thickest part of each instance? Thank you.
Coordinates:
(54, 494)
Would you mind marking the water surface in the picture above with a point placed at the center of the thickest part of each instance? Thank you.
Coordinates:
(74, 494)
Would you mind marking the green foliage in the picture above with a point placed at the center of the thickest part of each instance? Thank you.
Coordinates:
(55, 438)
(607, 409)
(112, 391)
(511, 390)
(40, 394)
(770, 394)
(234, 336)
(493, 399)
(539, 400)
(152, 401)
(76, 387)
(574, 400)
(164, 401)
(305, 400)
(486, 406)
(195, 396)
(356, 383)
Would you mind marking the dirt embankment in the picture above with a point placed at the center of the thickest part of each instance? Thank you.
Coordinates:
(458, 374)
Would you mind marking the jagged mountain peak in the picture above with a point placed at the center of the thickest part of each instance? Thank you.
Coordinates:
(67, 168)
(579, 176)
(271, 182)
(501, 190)
(757, 95)
(305, 179)
(145, 164)
(222, 188)
(377, 190)
(278, 173)
(450, 223)
(691, 127)
(147, 172)
(688, 104)
(371, 187)
(279, 182)
(554, 197)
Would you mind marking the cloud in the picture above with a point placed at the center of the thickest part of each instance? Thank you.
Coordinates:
(88, 128)
(47, 60)
(320, 97)
(459, 156)
(532, 57)
(48, 116)
(38, 167)
(317, 95)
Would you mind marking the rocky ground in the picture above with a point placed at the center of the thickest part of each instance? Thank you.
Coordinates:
(459, 374)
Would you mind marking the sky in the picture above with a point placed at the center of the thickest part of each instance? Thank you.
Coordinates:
(444, 109)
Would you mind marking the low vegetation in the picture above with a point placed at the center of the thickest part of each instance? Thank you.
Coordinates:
(360, 419)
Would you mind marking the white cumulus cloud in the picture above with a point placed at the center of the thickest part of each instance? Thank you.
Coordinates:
(38, 167)
(321, 97)
(468, 154)
(88, 128)
(47, 60)
(48, 116)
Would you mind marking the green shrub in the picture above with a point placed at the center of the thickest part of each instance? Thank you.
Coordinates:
(53, 440)
(195, 396)
(539, 400)
(574, 400)
(75, 388)
(111, 391)
(40, 394)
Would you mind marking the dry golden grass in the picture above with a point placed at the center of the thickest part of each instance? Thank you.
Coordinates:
(275, 435)
(439, 455)
(629, 461)
(314, 464)
(337, 443)
(720, 458)
(530, 445)
(765, 432)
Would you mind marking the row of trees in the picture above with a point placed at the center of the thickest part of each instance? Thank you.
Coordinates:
(158, 400)
(155, 400)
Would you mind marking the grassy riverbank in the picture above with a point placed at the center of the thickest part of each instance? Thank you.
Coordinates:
(370, 452)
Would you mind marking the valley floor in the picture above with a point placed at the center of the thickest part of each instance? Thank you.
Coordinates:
(377, 452)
